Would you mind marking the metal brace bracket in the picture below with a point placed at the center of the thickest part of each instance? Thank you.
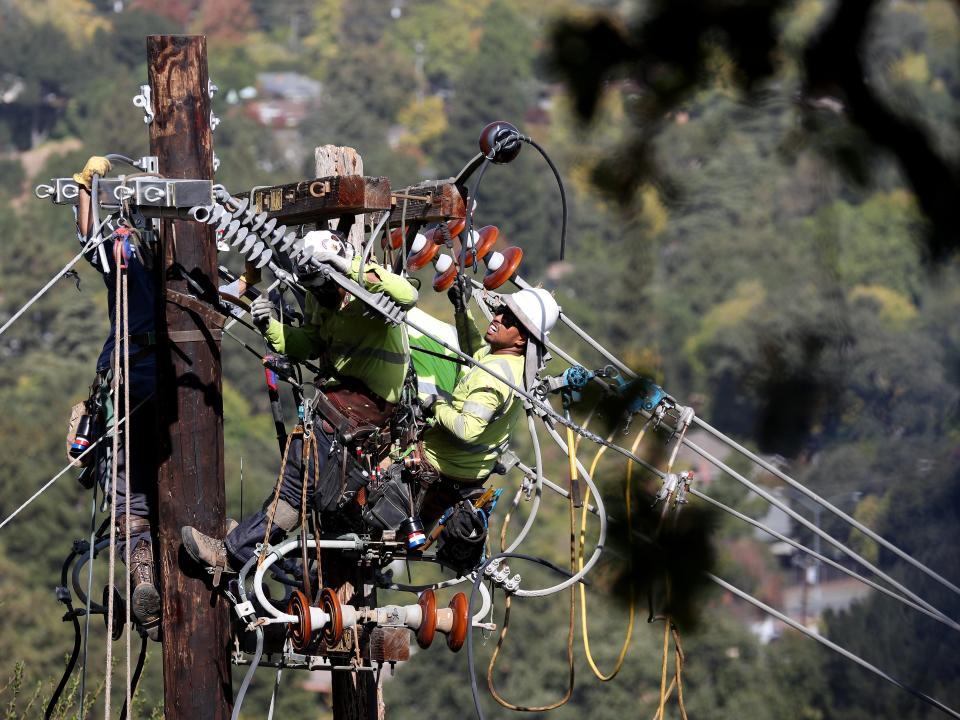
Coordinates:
(145, 100)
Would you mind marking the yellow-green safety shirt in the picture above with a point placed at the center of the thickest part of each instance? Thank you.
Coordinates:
(475, 425)
(353, 340)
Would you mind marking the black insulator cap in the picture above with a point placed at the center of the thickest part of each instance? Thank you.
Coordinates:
(500, 141)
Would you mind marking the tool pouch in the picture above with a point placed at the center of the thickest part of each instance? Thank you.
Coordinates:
(462, 538)
(388, 505)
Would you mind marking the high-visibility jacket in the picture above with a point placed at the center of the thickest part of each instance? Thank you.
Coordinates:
(475, 425)
(436, 367)
(353, 341)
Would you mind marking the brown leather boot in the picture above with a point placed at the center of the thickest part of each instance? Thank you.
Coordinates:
(145, 603)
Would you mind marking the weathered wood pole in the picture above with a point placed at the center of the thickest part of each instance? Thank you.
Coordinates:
(196, 631)
(354, 694)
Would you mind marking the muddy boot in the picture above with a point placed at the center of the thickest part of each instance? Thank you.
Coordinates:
(145, 604)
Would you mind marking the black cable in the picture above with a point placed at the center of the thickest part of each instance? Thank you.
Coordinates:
(71, 614)
(476, 586)
(563, 193)
(136, 673)
(448, 358)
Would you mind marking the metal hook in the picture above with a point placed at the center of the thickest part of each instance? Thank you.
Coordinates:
(43, 191)
(144, 100)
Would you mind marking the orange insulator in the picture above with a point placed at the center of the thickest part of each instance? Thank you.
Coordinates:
(461, 622)
(300, 631)
(455, 227)
(422, 251)
(395, 241)
(428, 620)
(487, 238)
(330, 604)
(501, 267)
(446, 273)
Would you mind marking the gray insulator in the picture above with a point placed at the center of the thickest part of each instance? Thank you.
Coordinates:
(216, 214)
(242, 236)
(277, 235)
(258, 220)
(298, 251)
(287, 243)
(231, 231)
(241, 206)
(268, 228)
(223, 224)
(264, 257)
(251, 238)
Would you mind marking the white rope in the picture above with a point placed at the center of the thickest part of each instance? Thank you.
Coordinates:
(832, 645)
(117, 337)
(127, 473)
(69, 466)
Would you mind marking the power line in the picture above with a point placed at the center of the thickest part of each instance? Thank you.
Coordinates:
(833, 646)
(91, 245)
(823, 558)
(769, 467)
(69, 465)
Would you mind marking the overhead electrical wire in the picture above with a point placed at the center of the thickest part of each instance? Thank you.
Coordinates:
(824, 559)
(67, 467)
(832, 645)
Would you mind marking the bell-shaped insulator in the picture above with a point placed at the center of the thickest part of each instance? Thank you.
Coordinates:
(501, 266)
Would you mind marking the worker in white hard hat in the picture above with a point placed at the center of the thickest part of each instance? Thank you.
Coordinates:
(473, 427)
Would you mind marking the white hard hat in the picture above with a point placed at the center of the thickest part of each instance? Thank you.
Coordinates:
(323, 241)
(536, 310)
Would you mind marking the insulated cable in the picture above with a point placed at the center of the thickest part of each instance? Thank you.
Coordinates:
(563, 194)
(583, 591)
(476, 583)
(832, 645)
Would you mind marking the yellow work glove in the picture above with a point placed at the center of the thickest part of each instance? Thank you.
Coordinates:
(96, 165)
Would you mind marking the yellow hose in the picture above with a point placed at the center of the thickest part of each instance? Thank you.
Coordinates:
(580, 548)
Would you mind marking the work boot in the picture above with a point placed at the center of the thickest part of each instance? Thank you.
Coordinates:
(145, 603)
(208, 551)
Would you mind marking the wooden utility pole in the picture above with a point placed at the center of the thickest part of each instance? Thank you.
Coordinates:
(196, 631)
(356, 695)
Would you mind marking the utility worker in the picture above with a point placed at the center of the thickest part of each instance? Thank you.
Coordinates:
(365, 362)
(138, 486)
(473, 427)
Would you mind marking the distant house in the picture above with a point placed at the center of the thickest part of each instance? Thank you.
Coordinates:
(283, 99)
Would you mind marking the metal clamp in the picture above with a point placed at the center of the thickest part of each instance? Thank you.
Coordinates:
(144, 100)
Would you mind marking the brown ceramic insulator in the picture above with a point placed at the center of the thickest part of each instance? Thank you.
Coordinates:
(461, 622)
(396, 239)
(330, 604)
(443, 281)
(511, 261)
(301, 630)
(455, 227)
(415, 261)
(488, 238)
(428, 621)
